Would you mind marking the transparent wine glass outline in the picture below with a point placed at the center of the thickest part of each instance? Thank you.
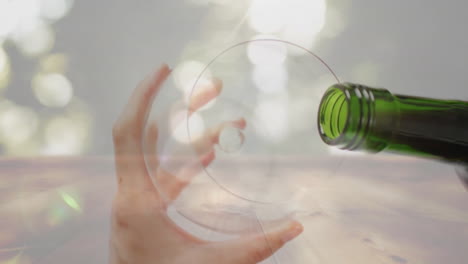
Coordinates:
(219, 184)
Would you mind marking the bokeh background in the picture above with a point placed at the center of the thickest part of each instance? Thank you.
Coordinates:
(67, 68)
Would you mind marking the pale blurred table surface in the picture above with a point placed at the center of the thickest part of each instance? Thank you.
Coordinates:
(374, 210)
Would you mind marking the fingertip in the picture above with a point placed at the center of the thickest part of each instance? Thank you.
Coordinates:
(161, 73)
(242, 123)
(205, 94)
(217, 84)
(166, 67)
(156, 79)
(292, 231)
(215, 88)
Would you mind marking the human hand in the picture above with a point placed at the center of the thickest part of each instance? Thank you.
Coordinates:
(141, 231)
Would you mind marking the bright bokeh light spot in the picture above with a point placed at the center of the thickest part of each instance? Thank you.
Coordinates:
(300, 38)
(335, 23)
(179, 127)
(28, 148)
(17, 14)
(64, 136)
(186, 73)
(59, 211)
(297, 21)
(70, 201)
(27, 9)
(270, 78)
(53, 90)
(267, 53)
(304, 21)
(8, 18)
(267, 16)
(18, 17)
(56, 62)
(17, 123)
(271, 119)
(26, 24)
(4, 69)
(3, 60)
(305, 17)
(55, 9)
(34, 41)
(68, 134)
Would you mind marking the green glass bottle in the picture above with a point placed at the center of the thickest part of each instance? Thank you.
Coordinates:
(356, 117)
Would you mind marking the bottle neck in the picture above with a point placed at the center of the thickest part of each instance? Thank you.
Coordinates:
(356, 117)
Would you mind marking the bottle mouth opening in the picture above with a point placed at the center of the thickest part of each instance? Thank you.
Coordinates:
(333, 115)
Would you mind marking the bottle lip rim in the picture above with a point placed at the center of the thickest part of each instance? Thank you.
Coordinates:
(337, 141)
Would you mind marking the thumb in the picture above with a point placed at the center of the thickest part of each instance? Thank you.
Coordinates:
(258, 247)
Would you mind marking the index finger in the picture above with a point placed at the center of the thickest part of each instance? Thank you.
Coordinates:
(129, 129)
(204, 95)
(137, 109)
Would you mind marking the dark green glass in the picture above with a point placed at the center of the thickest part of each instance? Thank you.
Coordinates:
(356, 117)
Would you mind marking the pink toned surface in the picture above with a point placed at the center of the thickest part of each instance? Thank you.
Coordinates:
(373, 210)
